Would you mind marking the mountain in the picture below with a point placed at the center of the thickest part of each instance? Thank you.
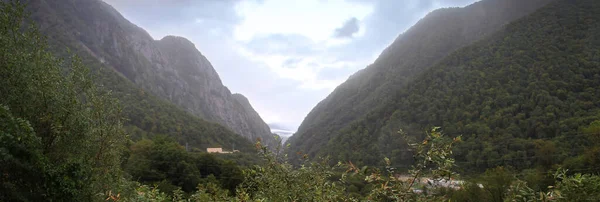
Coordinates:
(431, 39)
(170, 68)
(518, 97)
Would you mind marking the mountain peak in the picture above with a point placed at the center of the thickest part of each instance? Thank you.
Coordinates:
(176, 39)
(180, 42)
(241, 98)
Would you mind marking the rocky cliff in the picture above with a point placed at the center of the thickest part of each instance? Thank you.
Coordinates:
(171, 68)
(255, 123)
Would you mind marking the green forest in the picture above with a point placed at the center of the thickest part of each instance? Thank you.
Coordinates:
(519, 98)
(513, 117)
(427, 42)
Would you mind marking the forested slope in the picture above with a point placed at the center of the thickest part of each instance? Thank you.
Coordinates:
(147, 115)
(428, 41)
(517, 97)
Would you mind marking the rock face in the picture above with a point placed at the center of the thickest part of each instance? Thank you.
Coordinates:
(171, 68)
(413, 52)
(255, 122)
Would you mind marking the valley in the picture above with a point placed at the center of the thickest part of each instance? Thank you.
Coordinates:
(496, 100)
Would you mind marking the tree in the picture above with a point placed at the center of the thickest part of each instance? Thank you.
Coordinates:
(68, 130)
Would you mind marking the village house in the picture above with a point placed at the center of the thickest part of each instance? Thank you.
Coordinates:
(219, 150)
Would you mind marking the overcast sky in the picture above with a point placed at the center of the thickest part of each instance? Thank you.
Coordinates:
(284, 55)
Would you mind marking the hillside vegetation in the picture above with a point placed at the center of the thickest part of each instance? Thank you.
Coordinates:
(170, 69)
(146, 114)
(430, 40)
(518, 97)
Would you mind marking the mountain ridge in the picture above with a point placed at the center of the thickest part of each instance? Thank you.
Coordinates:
(433, 37)
(171, 68)
(516, 96)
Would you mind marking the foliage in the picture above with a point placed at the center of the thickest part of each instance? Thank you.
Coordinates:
(314, 182)
(62, 137)
(589, 159)
(164, 162)
(496, 184)
(499, 185)
(432, 160)
(145, 193)
(21, 158)
(577, 187)
(279, 181)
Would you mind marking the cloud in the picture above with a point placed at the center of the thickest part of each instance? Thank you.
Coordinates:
(336, 73)
(162, 17)
(282, 44)
(314, 19)
(279, 126)
(292, 62)
(349, 28)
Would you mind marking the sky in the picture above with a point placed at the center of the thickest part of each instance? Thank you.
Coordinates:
(285, 56)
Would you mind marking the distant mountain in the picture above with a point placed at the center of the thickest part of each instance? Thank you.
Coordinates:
(278, 126)
(430, 40)
(518, 97)
(284, 135)
(282, 131)
(171, 68)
